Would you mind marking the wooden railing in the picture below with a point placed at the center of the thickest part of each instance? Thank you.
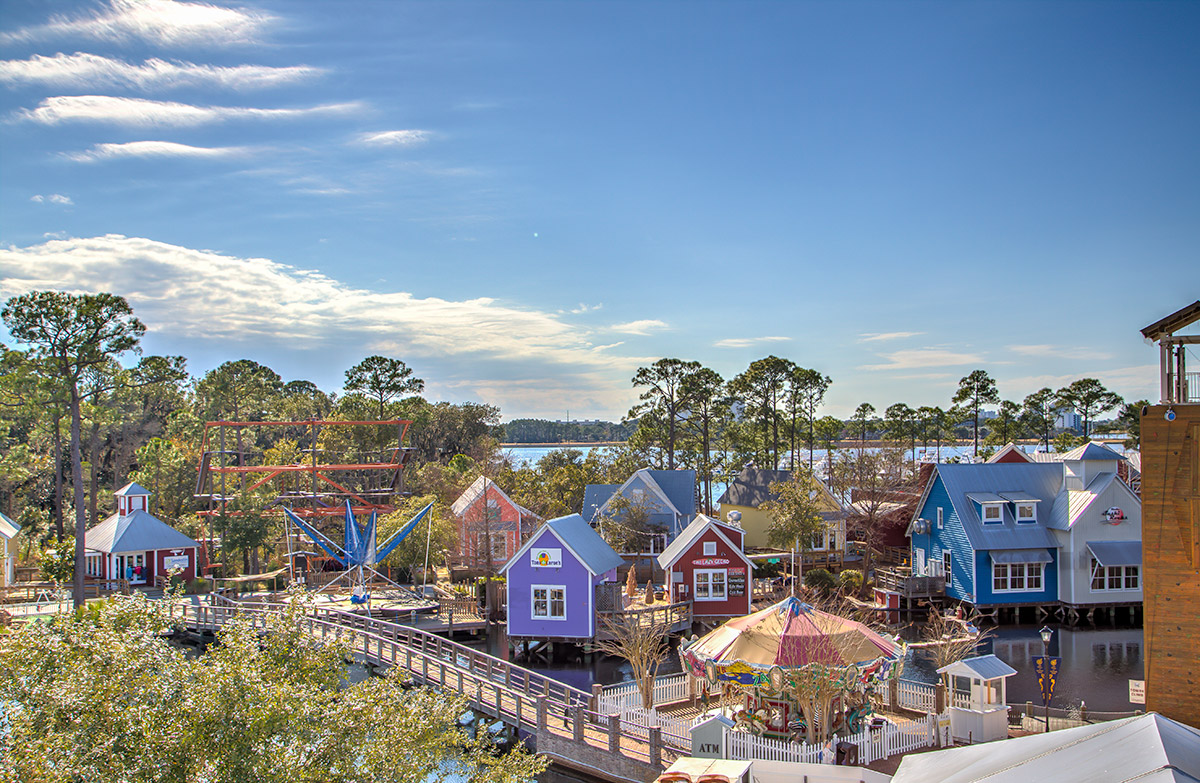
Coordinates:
(901, 580)
(43, 592)
(563, 717)
(673, 616)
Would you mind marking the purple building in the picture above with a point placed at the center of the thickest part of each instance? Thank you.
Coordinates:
(552, 582)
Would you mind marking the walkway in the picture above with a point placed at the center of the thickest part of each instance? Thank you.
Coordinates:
(561, 718)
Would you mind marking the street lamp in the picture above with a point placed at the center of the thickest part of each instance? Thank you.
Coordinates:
(1047, 633)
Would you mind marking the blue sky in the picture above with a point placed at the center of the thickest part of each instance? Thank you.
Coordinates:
(526, 201)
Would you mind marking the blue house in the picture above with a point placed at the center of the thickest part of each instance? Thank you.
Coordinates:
(552, 582)
(986, 529)
(669, 495)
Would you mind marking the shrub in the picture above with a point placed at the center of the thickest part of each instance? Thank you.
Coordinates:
(820, 579)
(850, 580)
(198, 585)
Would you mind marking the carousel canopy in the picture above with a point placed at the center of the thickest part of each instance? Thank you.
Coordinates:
(793, 634)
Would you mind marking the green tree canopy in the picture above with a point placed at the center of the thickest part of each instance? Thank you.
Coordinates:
(1088, 397)
(975, 391)
(382, 380)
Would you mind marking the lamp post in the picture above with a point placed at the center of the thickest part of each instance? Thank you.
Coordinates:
(1047, 633)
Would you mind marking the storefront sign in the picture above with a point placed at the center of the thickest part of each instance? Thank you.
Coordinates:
(178, 561)
(707, 562)
(545, 558)
(1137, 691)
(737, 582)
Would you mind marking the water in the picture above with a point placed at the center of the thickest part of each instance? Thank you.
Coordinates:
(1097, 664)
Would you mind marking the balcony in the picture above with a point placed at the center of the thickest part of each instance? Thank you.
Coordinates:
(901, 580)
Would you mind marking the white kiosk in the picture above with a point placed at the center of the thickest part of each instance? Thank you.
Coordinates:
(979, 684)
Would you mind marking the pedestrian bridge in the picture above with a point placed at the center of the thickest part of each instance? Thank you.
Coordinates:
(563, 720)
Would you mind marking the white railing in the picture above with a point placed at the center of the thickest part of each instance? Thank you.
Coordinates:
(962, 700)
(623, 696)
(873, 744)
(676, 733)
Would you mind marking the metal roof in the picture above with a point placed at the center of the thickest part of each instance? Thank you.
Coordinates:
(1020, 497)
(595, 496)
(985, 497)
(1020, 556)
(578, 536)
(1042, 481)
(1117, 553)
(984, 667)
(140, 531)
(132, 488)
(1184, 316)
(1071, 504)
(1148, 748)
(8, 528)
(472, 493)
(678, 487)
(1091, 451)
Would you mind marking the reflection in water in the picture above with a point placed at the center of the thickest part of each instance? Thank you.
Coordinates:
(1097, 664)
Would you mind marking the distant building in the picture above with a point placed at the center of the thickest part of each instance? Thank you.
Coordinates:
(669, 496)
(484, 511)
(1067, 419)
(752, 488)
(135, 544)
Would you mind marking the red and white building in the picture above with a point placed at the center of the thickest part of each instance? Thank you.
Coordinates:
(706, 565)
(136, 545)
(484, 511)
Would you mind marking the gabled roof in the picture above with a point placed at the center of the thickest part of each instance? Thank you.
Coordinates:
(1041, 481)
(136, 532)
(675, 489)
(1071, 504)
(8, 528)
(691, 534)
(574, 533)
(1090, 451)
(472, 493)
(1147, 748)
(1184, 316)
(132, 488)
(752, 488)
(984, 667)
(1010, 453)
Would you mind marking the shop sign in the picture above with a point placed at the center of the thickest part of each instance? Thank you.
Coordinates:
(177, 561)
(545, 558)
(705, 562)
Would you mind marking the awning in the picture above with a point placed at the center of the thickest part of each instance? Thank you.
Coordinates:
(1116, 553)
(1020, 556)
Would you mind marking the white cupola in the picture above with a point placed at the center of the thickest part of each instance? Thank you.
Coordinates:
(132, 497)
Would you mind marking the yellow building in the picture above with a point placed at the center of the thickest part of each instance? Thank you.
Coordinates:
(752, 488)
(8, 550)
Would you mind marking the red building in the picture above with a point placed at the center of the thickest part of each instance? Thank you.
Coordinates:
(706, 565)
(484, 512)
(134, 544)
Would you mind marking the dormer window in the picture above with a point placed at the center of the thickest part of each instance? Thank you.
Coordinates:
(1027, 512)
(993, 513)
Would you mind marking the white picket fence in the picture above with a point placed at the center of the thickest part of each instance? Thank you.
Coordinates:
(918, 696)
(676, 733)
(624, 696)
(875, 744)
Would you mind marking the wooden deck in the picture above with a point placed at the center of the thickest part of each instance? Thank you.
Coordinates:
(562, 719)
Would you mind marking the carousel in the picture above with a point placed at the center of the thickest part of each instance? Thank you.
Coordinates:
(793, 671)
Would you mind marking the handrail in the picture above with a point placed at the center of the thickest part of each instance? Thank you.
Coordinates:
(416, 637)
(506, 700)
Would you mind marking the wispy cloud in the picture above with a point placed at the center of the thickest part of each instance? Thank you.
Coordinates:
(93, 70)
(53, 198)
(642, 327)
(154, 149)
(585, 308)
(162, 22)
(145, 113)
(747, 342)
(881, 336)
(1058, 352)
(394, 138)
(244, 303)
(923, 357)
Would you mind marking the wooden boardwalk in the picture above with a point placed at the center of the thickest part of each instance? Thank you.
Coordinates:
(562, 718)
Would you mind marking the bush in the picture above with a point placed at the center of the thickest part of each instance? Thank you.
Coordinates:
(820, 579)
(850, 580)
(198, 585)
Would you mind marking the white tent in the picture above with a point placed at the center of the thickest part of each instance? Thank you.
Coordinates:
(1147, 748)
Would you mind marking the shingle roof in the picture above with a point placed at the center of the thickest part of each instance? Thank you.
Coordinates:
(8, 528)
(752, 487)
(1042, 481)
(678, 486)
(136, 532)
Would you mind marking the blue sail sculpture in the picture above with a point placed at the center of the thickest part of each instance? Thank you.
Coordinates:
(358, 547)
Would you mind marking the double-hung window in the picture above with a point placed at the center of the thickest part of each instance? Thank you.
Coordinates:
(1012, 577)
(1112, 578)
(549, 602)
(709, 584)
